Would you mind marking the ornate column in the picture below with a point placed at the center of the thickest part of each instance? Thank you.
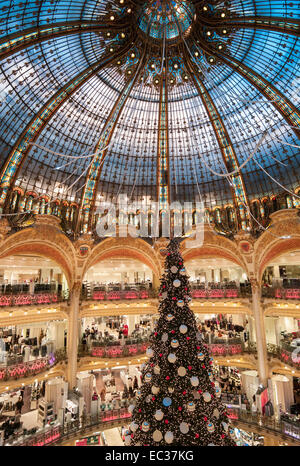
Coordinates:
(259, 323)
(155, 282)
(72, 343)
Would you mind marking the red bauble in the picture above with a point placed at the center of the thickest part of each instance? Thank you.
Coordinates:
(132, 436)
(203, 366)
(140, 410)
(189, 368)
(197, 435)
(184, 392)
(223, 436)
(167, 378)
(153, 398)
(172, 331)
(187, 338)
(155, 333)
(205, 419)
(179, 408)
(174, 299)
(166, 421)
(212, 384)
(199, 391)
(160, 355)
(198, 347)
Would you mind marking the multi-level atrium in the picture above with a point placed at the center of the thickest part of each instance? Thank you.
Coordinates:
(119, 118)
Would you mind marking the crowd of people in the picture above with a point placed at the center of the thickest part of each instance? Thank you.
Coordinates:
(221, 328)
(113, 331)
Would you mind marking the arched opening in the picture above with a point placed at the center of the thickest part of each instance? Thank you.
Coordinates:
(281, 281)
(31, 290)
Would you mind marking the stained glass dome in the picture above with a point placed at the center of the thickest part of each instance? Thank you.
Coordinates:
(95, 103)
(166, 19)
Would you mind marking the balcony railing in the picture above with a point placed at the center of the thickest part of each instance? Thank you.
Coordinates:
(51, 435)
(283, 426)
(31, 368)
(104, 419)
(281, 293)
(218, 348)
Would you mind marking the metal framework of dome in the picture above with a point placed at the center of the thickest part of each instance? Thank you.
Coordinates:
(165, 94)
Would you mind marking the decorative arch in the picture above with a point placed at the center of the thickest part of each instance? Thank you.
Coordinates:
(215, 246)
(134, 248)
(46, 242)
(282, 238)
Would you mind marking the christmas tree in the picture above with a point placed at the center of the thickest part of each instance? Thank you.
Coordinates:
(179, 403)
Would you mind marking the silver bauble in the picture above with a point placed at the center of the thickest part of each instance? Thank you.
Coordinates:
(157, 436)
(206, 397)
(216, 413)
(133, 426)
(177, 283)
(156, 370)
(184, 427)
(174, 269)
(181, 371)
(164, 337)
(183, 329)
(159, 415)
(149, 352)
(172, 358)
(155, 390)
(169, 437)
(194, 381)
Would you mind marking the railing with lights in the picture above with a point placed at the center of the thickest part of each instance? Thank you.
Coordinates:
(286, 425)
(55, 434)
(281, 293)
(217, 348)
(30, 368)
(116, 350)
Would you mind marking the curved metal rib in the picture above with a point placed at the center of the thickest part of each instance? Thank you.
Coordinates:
(283, 25)
(94, 173)
(226, 147)
(36, 125)
(289, 112)
(16, 42)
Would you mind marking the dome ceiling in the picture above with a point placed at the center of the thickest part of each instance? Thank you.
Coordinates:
(161, 92)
